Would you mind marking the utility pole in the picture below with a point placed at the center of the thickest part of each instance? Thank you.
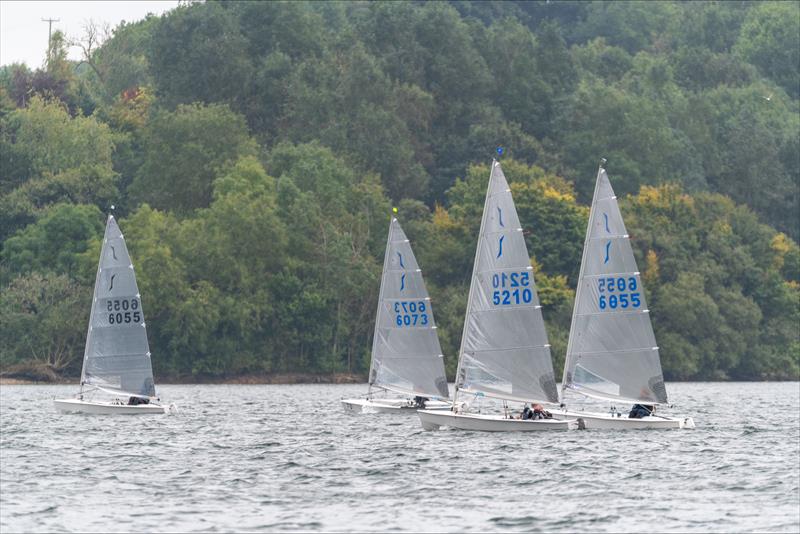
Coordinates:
(50, 36)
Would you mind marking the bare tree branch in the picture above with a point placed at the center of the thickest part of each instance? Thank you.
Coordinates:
(94, 35)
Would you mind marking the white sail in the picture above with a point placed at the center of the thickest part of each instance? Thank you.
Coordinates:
(504, 349)
(406, 355)
(612, 350)
(117, 355)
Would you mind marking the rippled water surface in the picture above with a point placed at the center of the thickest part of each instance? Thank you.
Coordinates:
(266, 458)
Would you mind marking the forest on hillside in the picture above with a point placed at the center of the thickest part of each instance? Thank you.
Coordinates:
(253, 152)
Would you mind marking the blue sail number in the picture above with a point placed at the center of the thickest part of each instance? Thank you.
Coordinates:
(618, 293)
(410, 313)
(518, 292)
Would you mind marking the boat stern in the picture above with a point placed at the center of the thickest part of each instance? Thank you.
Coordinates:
(353, 405)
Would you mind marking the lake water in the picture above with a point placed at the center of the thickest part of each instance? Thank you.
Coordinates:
(273, 458)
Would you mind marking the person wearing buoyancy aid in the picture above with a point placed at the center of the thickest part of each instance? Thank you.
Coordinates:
(536, 412)
(540, 413)
(640, 410)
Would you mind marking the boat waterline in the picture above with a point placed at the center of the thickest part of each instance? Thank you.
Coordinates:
(608, 421)
(107, 408)
(435, 419)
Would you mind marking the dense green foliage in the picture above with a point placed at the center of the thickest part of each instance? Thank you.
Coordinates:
(253, 151)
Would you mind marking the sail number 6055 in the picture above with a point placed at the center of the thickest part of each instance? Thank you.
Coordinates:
(618, 293)
(127, 311)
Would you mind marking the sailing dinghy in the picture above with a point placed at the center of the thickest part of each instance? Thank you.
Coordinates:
(612, 353)
(406, 355)
(116, 361)
(504, 350)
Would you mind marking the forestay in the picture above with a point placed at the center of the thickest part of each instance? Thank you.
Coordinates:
(117, 355)
(406, 355)
(504, 349)
(612, 351)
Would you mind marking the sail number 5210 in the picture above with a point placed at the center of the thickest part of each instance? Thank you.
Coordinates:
(618, 293)
(518, 292)
(410, 313)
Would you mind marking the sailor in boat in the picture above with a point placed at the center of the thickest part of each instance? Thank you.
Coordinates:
(135, 401)
(640, 410)
(534, 413)
(419, 402)
(540, 413)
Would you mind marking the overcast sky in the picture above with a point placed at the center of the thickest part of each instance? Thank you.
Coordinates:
(23, 35)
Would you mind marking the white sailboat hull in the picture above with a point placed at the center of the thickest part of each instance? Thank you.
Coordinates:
(605, 421)
(106, 408)
(435, 419)
(389, 405)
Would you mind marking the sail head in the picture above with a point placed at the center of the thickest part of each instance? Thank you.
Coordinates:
(612, 349)
(117, 354)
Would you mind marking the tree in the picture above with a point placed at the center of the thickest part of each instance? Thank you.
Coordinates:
(55, 241)
(58, 158)
(198, 54)
(519, 89)
(720, 306)
(770, 40)
(633, 132)
(598, 58)
(94, 34)
(252, 150)
(348, 104)
(121, 62)
(184, 151)
(633, 25)
(750, 145)
(43, 318)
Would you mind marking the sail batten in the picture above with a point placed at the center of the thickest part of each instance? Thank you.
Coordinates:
(117, 354)
(546, 345)
(504, 348)
(497, 395)
(406, 354)
(612, 352)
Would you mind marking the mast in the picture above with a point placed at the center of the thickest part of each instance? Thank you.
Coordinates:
(472, 287)
(578, 289)
(375, 332)
(87, 343)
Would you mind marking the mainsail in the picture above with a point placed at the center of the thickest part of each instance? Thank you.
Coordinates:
(612, 350)
(504, 349)
(117, 355)
(406, 355)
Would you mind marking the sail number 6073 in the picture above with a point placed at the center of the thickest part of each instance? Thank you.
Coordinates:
(410, 313)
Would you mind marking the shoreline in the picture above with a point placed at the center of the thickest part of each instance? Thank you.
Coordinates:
(258, 379)
(277, 379)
